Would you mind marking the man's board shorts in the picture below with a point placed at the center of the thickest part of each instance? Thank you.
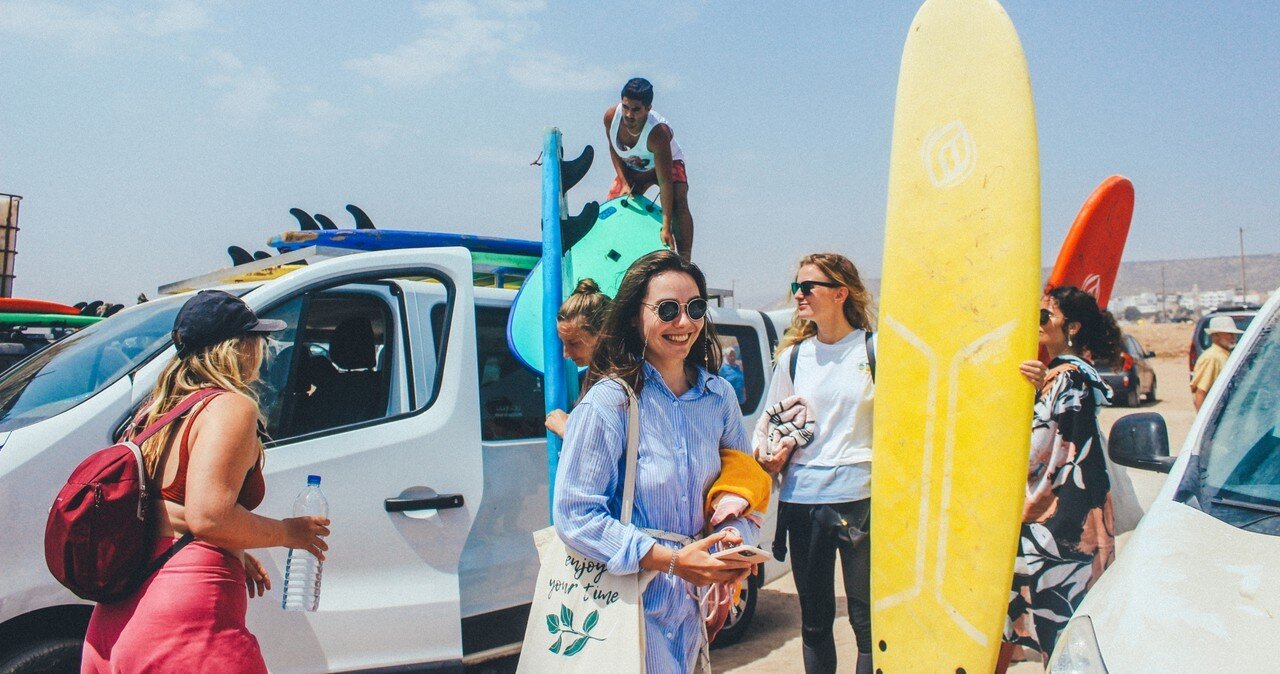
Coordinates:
(678, 175)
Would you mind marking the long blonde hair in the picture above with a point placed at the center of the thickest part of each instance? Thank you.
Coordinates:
(221, 365)
(858, 307)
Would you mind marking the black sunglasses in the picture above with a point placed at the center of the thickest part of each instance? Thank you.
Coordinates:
(1045, 315)
(806, 287)
(669, 310)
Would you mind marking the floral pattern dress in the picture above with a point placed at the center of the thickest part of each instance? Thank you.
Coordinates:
(1067, 538)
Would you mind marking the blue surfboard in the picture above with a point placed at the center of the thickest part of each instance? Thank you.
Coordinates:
(393, 239)
(626, 229)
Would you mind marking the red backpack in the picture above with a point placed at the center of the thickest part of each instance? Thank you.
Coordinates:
(100, 533)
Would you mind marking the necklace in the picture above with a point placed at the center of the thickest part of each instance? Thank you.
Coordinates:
(624, 130)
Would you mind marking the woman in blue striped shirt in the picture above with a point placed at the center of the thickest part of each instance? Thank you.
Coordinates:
(658, 339)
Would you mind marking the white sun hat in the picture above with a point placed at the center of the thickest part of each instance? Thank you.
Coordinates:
(1222, 324)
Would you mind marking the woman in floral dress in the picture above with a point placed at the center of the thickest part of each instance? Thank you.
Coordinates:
(1067, 533)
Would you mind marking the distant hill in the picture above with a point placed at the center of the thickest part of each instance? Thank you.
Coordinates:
(1262, 274)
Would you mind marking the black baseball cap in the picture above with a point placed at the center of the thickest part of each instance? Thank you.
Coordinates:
(214, 316)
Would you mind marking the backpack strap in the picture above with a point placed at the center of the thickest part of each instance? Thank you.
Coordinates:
(177, 411)
(794, 359)
(871, 351)
(867, 335)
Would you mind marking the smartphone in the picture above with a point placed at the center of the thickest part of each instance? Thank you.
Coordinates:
(744, 553)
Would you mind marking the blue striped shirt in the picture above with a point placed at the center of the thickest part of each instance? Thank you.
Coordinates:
(679, 459)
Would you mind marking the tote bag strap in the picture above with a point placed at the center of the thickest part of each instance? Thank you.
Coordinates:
(633, 453)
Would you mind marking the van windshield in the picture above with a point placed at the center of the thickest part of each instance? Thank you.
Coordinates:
(74, 369)
(1241, 450)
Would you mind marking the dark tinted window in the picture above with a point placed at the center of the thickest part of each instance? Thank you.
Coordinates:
(511, 404)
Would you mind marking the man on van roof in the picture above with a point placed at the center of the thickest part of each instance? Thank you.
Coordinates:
(1224, 333)
(645, 153)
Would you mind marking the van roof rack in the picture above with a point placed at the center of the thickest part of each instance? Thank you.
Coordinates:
(490, 268)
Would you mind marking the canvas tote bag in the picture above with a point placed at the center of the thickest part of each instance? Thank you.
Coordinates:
(583, 618)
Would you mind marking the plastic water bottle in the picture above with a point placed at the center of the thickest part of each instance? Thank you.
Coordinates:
(302, 571)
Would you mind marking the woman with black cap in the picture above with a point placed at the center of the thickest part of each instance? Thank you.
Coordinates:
(190, 615)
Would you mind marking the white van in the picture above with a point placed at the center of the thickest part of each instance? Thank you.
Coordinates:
(394, 382)
(1197, 587)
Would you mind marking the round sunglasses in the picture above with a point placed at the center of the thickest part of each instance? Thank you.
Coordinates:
(806, 287)
(1045, 315)
(669, 310)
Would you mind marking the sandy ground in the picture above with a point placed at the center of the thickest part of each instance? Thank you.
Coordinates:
(1166, 339)
(774, 642)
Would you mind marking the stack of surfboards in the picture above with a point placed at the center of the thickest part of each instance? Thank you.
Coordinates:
(17, 311)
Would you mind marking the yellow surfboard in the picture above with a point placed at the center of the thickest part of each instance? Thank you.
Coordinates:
(959, 305)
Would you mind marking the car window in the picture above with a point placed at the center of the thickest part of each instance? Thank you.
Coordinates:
(1241, 446)
(748, 379)
(511, 399)
(1203, 338)
(76, 368)
(340, 361)
(1135, 348)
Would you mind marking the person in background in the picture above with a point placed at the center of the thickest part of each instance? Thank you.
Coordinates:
(731, 371)
(645, 153)
(578, 323)
(826, 483)
(1224, 333)
(1067, 537)
(658, 340)
(190, 615)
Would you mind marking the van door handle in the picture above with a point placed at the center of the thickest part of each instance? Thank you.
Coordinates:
(440, 502)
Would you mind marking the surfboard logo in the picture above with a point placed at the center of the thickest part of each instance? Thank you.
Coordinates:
(1092, 284)
(949, 154)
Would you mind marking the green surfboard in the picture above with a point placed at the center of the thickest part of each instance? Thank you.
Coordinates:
(46, 320)
(627, 229)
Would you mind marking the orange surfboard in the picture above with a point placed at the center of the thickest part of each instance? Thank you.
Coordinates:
(29, 306)
(1090, 256)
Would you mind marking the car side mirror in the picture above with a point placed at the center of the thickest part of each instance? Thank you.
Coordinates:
(1141, 441)
(1149, 354)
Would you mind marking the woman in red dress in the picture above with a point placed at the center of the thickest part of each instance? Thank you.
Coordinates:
(190, 615)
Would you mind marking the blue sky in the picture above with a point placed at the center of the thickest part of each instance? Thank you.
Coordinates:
(148, 136)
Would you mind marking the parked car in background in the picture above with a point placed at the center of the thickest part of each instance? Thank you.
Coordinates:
(1197, 586)
(1131, 377)
(1241, 314)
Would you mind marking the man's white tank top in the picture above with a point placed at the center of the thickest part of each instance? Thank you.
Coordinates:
(639, 158)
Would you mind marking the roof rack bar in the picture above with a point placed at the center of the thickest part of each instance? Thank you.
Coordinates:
(238, 272)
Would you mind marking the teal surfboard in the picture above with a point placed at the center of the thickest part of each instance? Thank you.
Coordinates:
(626, 229)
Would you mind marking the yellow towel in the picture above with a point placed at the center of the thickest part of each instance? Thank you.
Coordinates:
(742, 476)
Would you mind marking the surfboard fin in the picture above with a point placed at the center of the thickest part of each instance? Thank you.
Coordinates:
(305, 221)
(239, 255)
(572, 172)
(261, 255)
(362, 219)
(575, 227)
(325, 222)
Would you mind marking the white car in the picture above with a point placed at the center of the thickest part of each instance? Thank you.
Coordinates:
(1197, 588)
(394, 382)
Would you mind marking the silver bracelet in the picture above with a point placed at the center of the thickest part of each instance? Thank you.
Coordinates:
(671, 566)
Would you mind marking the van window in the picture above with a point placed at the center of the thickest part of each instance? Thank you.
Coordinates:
(511, 401)
(76, 368)
(1241, 447)
(745, 342)
(340, 361)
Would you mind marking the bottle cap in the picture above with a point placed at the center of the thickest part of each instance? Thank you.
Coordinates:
(313, 479)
